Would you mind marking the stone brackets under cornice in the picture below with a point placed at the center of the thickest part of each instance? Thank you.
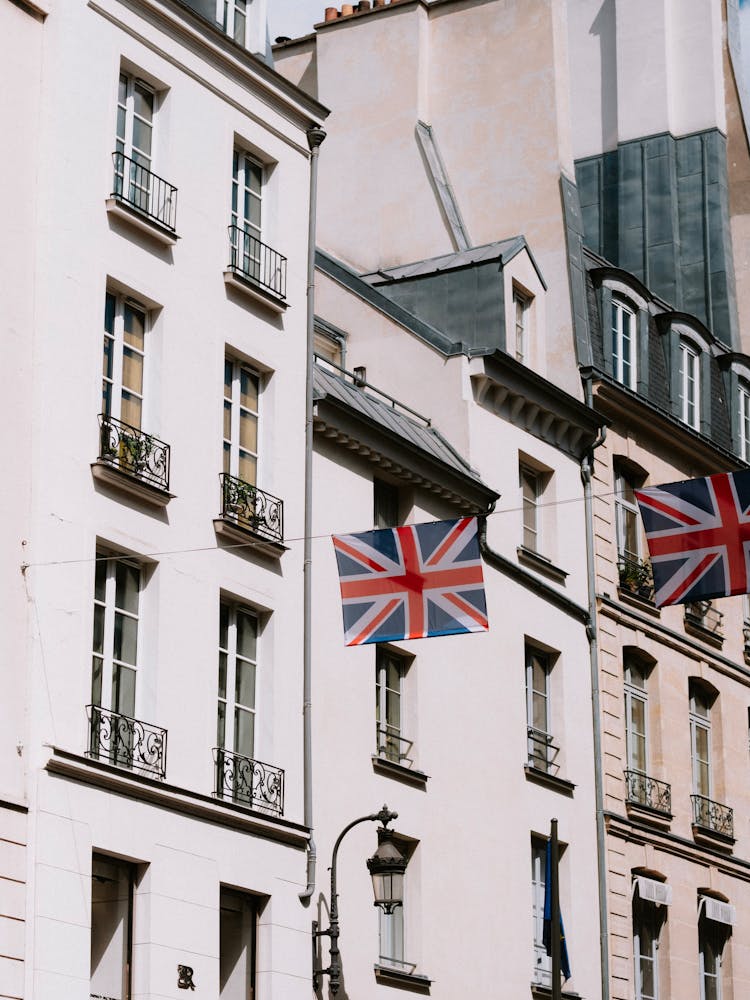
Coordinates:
(398, 457)
(517, 394)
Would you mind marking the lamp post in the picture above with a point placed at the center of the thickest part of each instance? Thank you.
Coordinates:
(386, 866)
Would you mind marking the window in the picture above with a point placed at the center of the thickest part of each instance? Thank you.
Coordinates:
(627, 522)
(647, 921)
(689, 384)
(238, 650)
(389, 677)
(111, 928)
(521, 313)
(241, 407)
(541, 751)
(136, 103)
(531, 490)
(700, 741)
(247, 192)
(743, 397)
(392, 926)
(542, 967)
(238, 923)
(124, 358)
(386, 504)
(624, 344)
(712, 937)
(117, 590)
(636, 715)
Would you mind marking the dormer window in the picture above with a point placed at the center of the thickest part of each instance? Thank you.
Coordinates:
(689, 383)
(743, 426)
(624, 344)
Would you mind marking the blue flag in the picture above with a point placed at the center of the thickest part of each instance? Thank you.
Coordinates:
(547, 928)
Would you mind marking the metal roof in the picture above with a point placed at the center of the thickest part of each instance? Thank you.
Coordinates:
(385, 415)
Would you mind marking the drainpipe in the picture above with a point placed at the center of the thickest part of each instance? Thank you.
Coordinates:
(315, 137)
(587, 463)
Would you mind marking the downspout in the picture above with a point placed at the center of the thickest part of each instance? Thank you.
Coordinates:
(315, 137)
(591, 632)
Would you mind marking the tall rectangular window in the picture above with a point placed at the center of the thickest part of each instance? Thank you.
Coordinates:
(385, 504)
(238, 658)
(394, 925)
(541, 752)
(627, 522)
(623, 344)
(542, 963)
(237, 945)
(711, 940)
(531, 489)
(241, 416)
(636, 715)
(245, 226)
(743, 397)
(689, 384)
(117, 590)
(111, 928)
(646, 923)
(521, 312)
(125, 323)
(136, 104)
(389, 675)
(700, 741)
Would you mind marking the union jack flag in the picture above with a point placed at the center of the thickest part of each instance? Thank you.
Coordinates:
(698, 534)
(411, 582)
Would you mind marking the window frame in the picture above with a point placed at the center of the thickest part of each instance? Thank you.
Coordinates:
(542, 962)
(390, 744)
(689, 349)
(227, 724)
(634, 692)
(116, 348)
(701, 722)
(743, 418)
(710, 933)
(548, 764)
(110, 685)
(646, 918)
(523, 302)
(127, 871)
(248, 905)
(530, 518)
(619, 310)
(386, 504)
(232, 450)
(626, 509)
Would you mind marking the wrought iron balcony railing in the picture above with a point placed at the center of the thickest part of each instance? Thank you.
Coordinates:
(636, 577)
(542, 751)
(127, 742)
(251, 508)
(131, 450)
(249, 782)
(713, 816)
(705, 616)
(392, 746)
(648, 792)
(142, 190)
(257, 262)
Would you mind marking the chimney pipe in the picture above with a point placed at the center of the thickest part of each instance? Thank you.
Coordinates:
(331, 13)
(346, 9)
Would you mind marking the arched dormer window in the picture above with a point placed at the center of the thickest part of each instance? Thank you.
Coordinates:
(735, 369)
(624, 310)
(689, 383)
(688, 349)
(743, 419)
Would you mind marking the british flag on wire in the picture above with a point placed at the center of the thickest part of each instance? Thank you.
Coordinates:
(411, 582)
(698, 534)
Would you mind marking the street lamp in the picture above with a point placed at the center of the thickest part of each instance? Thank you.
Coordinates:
(386, 866)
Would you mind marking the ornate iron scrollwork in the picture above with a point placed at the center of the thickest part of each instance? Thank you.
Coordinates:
(713, 816)
(127, 742)
(132, 451)
(649, 792)
(250, 782)
(251, 508)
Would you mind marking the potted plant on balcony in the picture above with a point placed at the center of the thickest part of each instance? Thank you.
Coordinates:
(636, 577)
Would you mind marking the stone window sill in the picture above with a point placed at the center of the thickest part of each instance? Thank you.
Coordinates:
(417, 983)
(550, 780)
(391, 769)
(532, 560)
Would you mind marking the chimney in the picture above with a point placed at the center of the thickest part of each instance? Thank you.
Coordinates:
(347, 9)
(331, 13)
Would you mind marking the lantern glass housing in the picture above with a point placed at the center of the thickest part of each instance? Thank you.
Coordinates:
(387, 866)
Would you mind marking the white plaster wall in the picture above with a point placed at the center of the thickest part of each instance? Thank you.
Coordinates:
(70, 258)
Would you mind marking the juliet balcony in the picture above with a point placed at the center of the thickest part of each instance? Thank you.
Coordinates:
(542, 751)
(635, 577)
(712, 819)
(249, 782)
(256, 269)
(648, 794)
(132, 461)
(250, 517)
(705, 621)
(128, 743)
(142, 199)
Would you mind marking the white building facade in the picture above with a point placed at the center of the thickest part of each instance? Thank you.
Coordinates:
(152, 821)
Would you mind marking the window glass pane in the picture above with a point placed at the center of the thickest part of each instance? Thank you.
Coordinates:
(249, 390)
(221, 725)
(142, 142)
(247, 633)
(130, 413)
(132, 371)
(123, 690)
(110, 928)
(248, 468)
(254, 176)
(108, 358)
(96, 681)
(248, 431)
(135, 325)
(222, 675)
(98, 628)
(244, 725)
(109, 313)
(539, 713)
(126, 639)
(122, 92)
(100, 578)
(244, 686)
(227, 378)
(227, 421)
(128, 581)
(224, 626)
(143, 102)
